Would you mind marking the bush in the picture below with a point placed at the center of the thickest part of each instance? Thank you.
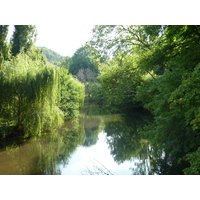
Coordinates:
(194, 159)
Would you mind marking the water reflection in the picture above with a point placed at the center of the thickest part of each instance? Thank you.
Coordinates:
(92, 127)
(42, 155)
(126, 143)
(128, 140)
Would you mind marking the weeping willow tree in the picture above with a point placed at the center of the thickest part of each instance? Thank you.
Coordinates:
(72, 94)
(30, 94)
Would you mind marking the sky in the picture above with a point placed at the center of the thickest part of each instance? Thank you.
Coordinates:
(63, 39)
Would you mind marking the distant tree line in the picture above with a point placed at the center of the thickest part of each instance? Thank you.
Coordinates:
(84, 68)
(52, 56)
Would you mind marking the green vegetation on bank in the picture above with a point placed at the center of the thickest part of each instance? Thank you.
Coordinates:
(84, 68)
(36, 96)
(156, 68)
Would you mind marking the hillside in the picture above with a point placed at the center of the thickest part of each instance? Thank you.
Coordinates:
(52, 56)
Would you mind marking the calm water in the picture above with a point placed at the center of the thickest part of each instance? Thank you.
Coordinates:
(94, 143)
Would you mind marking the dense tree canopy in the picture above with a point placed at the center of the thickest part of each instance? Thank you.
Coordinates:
(160, 65)
(4, 47)
(23, 37)
(35, 94)
(82, 66)
(30, 93)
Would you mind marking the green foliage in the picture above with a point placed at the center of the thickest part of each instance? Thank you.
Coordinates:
(30, 94)
(52, 56)
(66, 62)
(31, 90)
(194, 159)
(119, 79)
(4, 47)
(164, 75)
(23, 38)
(186, 98)
(173, 96)
(82, 66)
(94, 92)
(72, 94)
(109, 39)
(36, 96)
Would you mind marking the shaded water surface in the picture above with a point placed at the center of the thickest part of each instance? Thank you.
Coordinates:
(94, 143)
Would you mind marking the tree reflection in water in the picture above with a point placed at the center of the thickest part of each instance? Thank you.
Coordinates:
(129, 140)
(92, 127)
(42, 155)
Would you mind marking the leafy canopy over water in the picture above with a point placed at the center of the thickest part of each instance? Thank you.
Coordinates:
(156, 67)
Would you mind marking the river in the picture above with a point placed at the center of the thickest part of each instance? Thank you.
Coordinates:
(96, 143)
